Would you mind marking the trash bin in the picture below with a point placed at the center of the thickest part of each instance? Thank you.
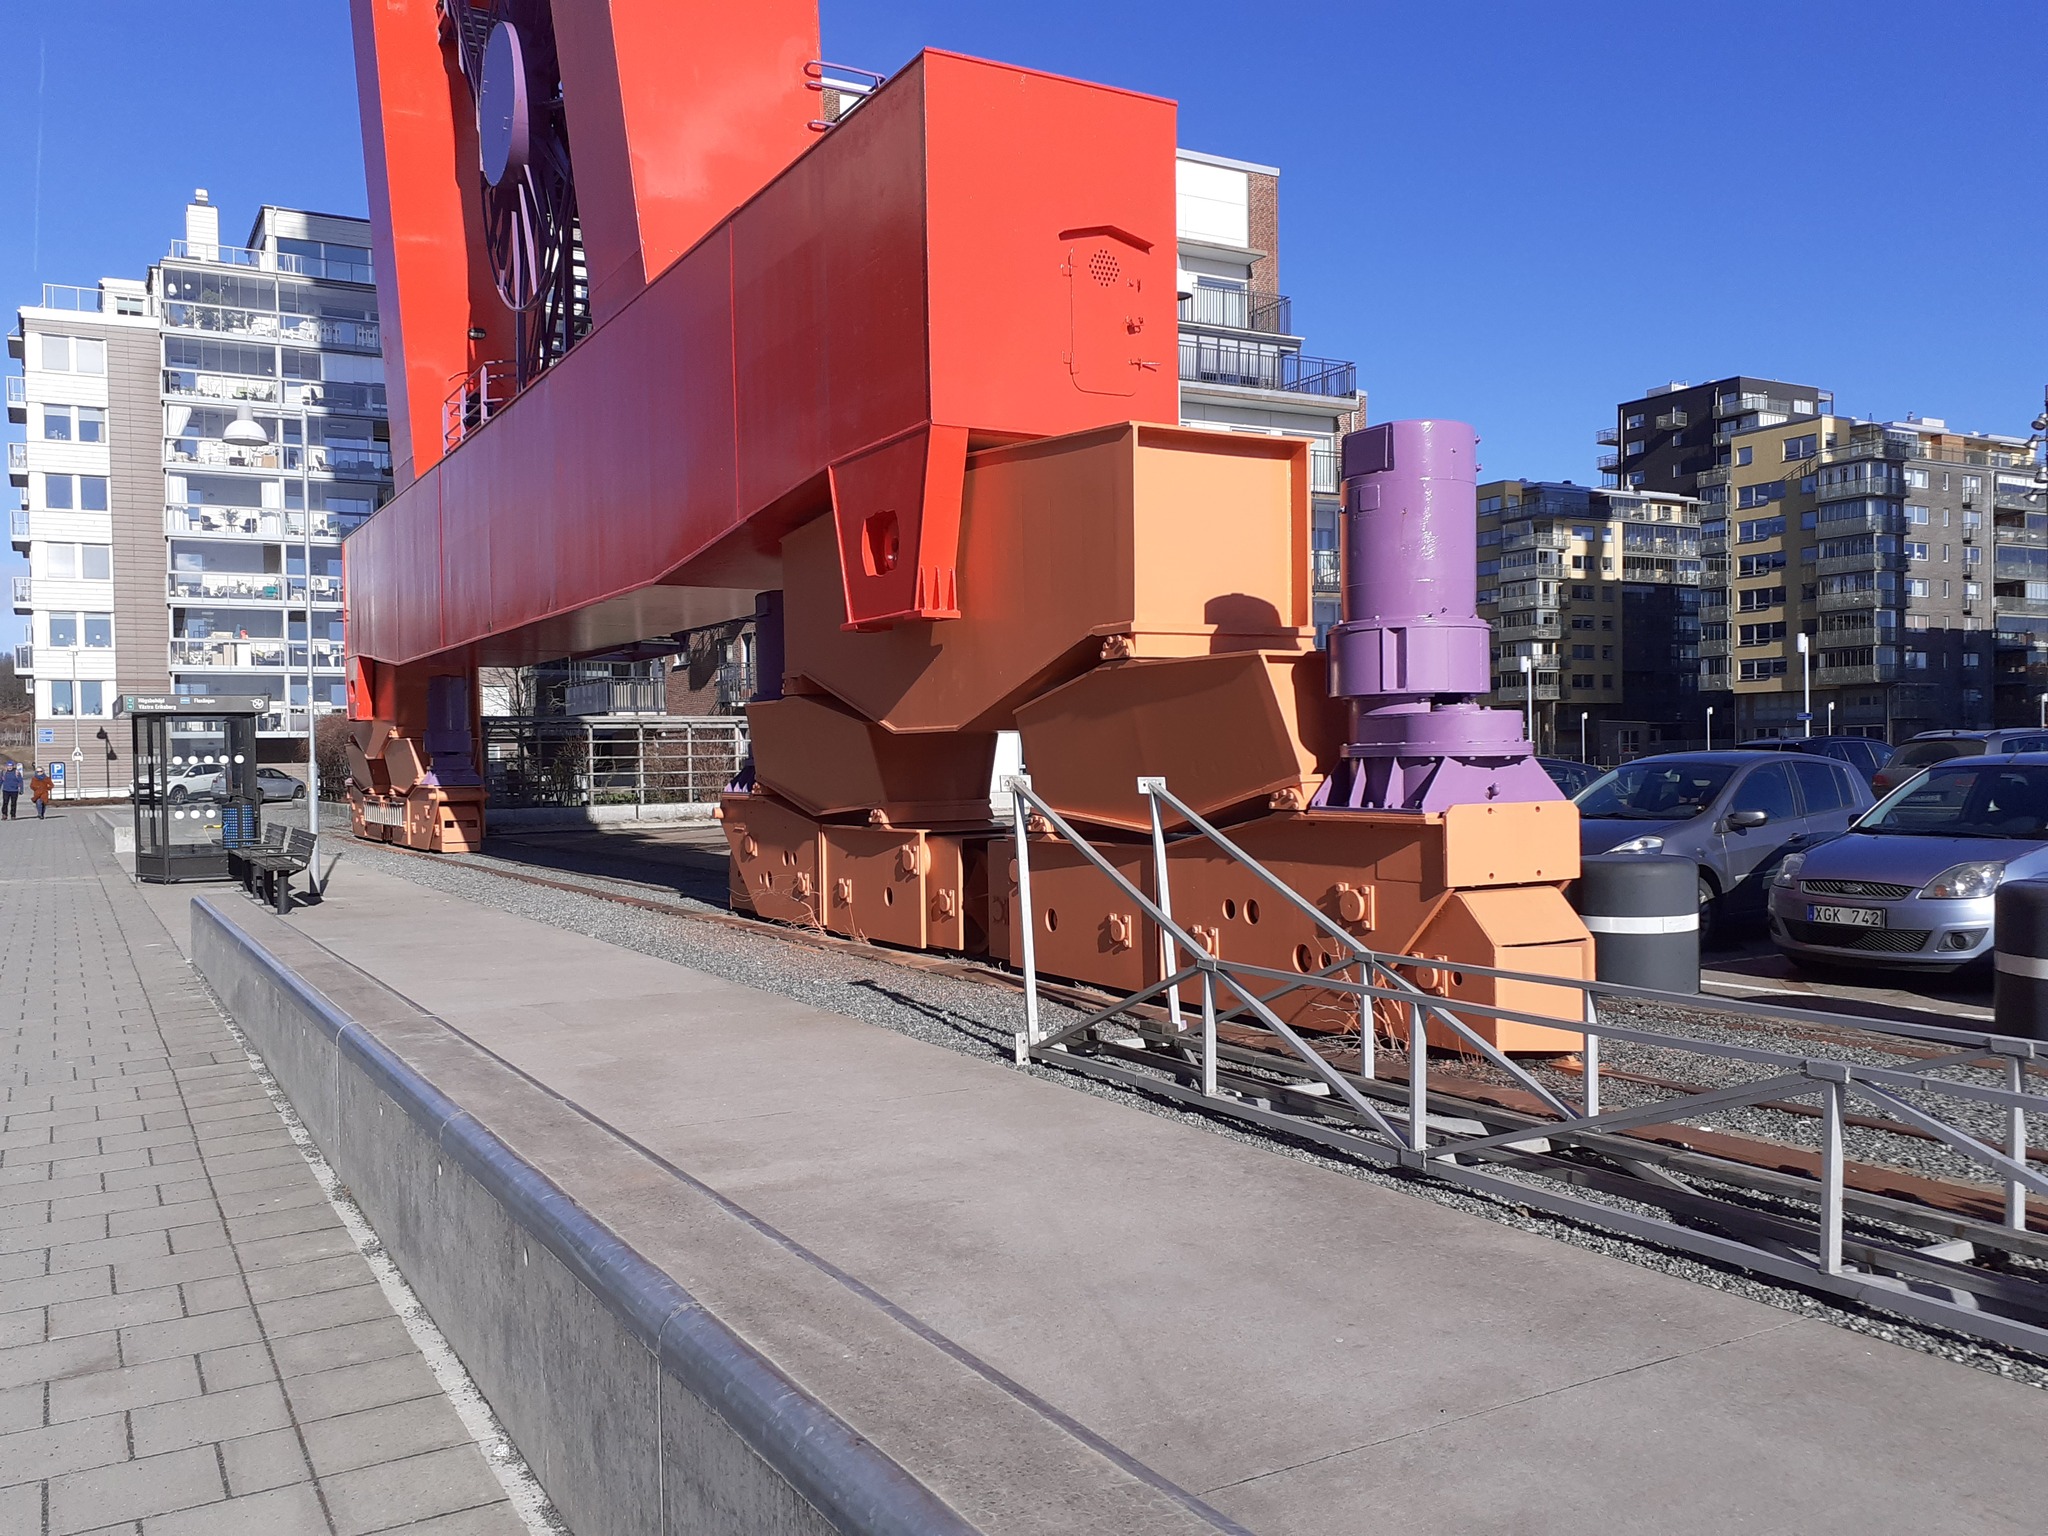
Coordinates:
(1643, 912)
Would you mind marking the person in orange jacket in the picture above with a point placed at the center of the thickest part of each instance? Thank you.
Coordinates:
(40, 788)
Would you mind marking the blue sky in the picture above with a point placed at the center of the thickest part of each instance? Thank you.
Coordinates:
(1515, 214)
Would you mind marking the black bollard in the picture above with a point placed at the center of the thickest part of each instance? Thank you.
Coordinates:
(2020, 1001)
(1644, 915)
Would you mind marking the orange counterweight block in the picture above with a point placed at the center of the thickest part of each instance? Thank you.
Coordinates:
(388, 803)
(1475, 885)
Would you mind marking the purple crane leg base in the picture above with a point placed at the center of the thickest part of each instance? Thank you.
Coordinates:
(1412, 655)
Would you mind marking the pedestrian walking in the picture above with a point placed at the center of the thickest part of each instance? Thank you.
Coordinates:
(10, 791)
(40, 788)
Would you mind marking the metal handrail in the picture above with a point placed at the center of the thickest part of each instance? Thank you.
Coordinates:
(1441, 1150)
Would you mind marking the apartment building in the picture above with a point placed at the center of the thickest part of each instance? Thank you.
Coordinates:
(1880, 543)
(199, 442)
(1242, 366)
(1599, 590)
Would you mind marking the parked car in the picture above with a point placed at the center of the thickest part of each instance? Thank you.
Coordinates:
(1912, 883)
(1731, 813)
(189, 781)
(1567, 775)
(1931, 747)
(272, 783)
(1859, 752)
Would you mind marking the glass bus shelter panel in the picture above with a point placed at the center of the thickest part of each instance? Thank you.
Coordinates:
(196, 794)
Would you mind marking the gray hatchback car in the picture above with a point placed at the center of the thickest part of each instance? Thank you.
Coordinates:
(1731, 813)
(1914, 883)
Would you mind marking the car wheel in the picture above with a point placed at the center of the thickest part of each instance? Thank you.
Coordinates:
(177, 794)
(299, 793)
(1709, 907)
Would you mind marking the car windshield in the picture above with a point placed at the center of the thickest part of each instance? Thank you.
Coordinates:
(1966, 799)
(1656, 789)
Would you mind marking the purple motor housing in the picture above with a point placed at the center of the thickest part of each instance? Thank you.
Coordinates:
(1412, 655)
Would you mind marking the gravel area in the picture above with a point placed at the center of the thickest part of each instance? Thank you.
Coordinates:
(980, 1019)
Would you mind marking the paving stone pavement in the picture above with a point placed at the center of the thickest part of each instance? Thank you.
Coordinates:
(190, 1342)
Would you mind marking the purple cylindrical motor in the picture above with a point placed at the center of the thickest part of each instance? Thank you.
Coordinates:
(1412, 655)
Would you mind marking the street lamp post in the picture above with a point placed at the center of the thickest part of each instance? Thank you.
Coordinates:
(1710, 727)
(2044, 711)
(1831, 717)
(1582, 733)
(1529, 682)
(1806, 682)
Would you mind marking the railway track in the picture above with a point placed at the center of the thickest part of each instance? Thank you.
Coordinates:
(1906, 1231)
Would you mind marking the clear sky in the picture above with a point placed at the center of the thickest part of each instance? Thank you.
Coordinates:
(1511, 213)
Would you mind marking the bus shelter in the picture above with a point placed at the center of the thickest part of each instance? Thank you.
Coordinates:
(196, 793)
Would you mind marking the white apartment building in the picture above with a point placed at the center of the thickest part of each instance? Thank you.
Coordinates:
(1241, 360)
(198, 445)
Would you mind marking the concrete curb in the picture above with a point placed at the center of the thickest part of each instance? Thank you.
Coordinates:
(857, 1488)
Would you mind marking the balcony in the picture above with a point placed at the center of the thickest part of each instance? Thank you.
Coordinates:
(1635, 570)
(1718, 475)
(18, 528)
(1869, 560)
(224, 651)
(1239, 309)
(1537, 538)
(22, 594)
(17, 463)
(617, 696)
(17, 397)
(1713, 648)
(290, 458)
(1673, 421)
(1260, 365)
(1516, 693)
(1325, 469)
(24, 660)
(1608, 437)
(227, 586)
(1327, 572)
(1849, 677)
(1545, 627)
(262, 525)
(2030, 607)
(1891, 447)
(2003, 498)
(1881, 489)
(1837, 602)
(333, 269)
(268, 325)
(1608, 463)
(1743, 405)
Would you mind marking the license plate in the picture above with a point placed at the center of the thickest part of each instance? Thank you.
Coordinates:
(1851, 917)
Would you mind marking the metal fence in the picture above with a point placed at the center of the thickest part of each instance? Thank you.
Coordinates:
(1820, 1180)
(598, 760)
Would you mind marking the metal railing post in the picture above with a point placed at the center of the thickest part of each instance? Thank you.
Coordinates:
(1418, 1079)
(1831, 1178)
(1208, 1032)
(1169, 959)
(2016, 1148)
(1369, 971)
(1590, 1058)
(1026, 925)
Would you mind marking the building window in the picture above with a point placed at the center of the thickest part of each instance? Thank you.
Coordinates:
(1972, 555)
(63, 629)
(68, 354)
(91, 696)
(60, 492)
(1802, 447)
(1606, 679)
(1916, 586)
(1973, 486)
(1756, 599)
(1743, 456)
(1761, 634)
(1916, 515)
(1916, 661)
(1916, 551)
(96, 562)
(92, 493)
(1917, 479)
(99, 631)
(1635, 422)
(1972, 659)
(1763, 667)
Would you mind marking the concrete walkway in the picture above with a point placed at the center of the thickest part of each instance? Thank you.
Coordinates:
(190, 1341)
(1308, 1353)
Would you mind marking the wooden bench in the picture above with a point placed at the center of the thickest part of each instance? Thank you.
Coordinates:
(240, 856)
(275, 870)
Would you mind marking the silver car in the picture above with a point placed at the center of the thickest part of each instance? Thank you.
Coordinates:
(1731, 813)
(1912, 883)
